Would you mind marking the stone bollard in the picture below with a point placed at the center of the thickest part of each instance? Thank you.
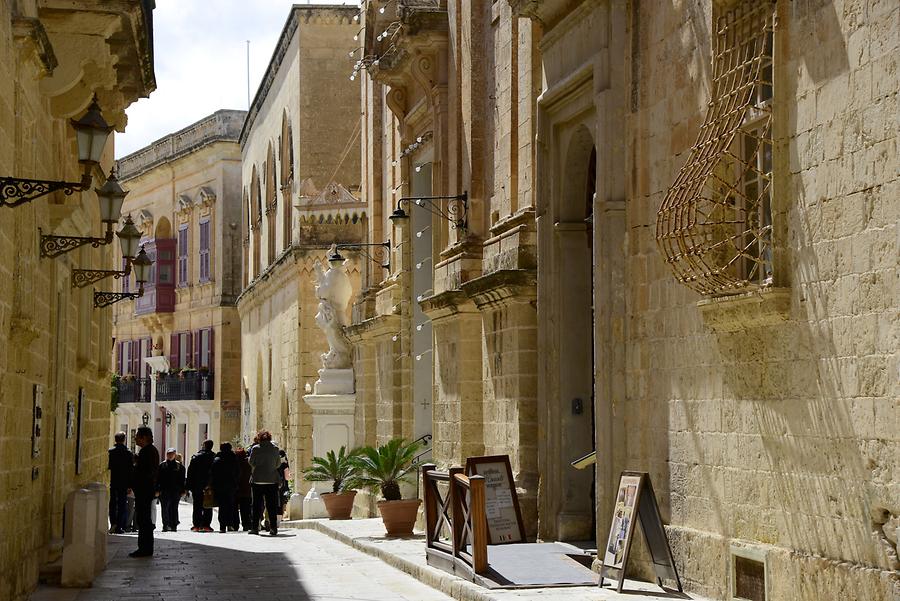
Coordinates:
(101, 497)
(80, 534)
(295, 506)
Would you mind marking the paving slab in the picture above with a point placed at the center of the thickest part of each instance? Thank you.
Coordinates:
(408, 555)
(296, 565)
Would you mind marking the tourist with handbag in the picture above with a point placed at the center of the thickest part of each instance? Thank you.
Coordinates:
(197, 481)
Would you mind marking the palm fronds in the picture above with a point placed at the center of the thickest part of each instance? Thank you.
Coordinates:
(339, 468)
(386, 467)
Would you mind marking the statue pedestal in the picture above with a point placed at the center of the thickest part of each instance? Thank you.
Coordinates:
(332, 427)
(334, 382)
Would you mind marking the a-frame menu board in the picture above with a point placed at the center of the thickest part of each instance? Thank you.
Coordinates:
(501, 503)
(635, 499)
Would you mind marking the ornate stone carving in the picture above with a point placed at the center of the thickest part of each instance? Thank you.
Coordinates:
(333, 289)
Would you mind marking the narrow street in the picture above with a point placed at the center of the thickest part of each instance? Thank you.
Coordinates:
(296, 565)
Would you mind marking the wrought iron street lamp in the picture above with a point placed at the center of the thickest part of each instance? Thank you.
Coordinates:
(145, 419)
(129, 237)
(110, 196)
(169, 417)
(141, 265)
(456, 211)
(379, 252)
(91, 134)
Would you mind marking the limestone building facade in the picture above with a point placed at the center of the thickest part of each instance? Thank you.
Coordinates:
(679, 248)
(300, 181)
(185, 197)
(54, 345)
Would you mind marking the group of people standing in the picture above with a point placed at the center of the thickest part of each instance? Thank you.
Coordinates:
(241, 483)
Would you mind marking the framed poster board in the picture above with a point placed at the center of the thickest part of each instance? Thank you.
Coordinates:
(619, 541)
(635, 500)
(501, 503)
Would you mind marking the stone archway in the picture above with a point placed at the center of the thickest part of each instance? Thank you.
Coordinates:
(567, 320)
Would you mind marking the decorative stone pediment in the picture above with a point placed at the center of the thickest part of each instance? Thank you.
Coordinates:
(206, 197)
(145, 222)
(184, 205)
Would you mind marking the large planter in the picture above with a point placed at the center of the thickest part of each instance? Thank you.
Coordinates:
(339, 505)
(399, 517)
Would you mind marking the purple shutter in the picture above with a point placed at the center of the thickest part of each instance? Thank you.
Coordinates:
(119, 358)
(196, 338)
(212, 350)
(173, 351)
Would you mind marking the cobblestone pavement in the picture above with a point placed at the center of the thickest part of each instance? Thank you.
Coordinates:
(297, 565)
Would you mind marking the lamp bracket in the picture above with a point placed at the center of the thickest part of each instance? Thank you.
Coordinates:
(53, 246)
(104, 299)
(15, 191)
(456, 210)
(379, 252)
(85, 277)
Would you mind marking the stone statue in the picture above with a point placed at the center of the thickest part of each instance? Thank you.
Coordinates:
(333, 289)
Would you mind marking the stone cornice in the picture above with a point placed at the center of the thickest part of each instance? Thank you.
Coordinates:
(31, 31)
(380, 325)
(222, 126)
(446, 304)
(502, 287)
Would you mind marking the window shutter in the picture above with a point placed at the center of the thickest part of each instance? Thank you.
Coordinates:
(119, 358)
(212, 350)
(197, 349)
(173, 352)
(132, 352)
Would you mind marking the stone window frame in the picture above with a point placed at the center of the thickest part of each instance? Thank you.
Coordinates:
(716, 239)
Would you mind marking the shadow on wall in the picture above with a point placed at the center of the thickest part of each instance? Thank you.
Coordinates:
(808, 401)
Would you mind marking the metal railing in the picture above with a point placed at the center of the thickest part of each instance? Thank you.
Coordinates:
(133, 390)
(185, 386)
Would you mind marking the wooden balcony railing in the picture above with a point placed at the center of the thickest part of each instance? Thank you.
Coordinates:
(456, 524)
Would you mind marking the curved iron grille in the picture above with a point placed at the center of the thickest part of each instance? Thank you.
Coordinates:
(714, 225)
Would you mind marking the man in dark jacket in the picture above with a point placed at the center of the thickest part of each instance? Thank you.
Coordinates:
(242, 510)
(121, 470)
(146, 469)
(265, 461)
(171, 487)
(197, 481)
(224, 480)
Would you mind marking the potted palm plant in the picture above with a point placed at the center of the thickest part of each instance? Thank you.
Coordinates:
(340, 469)
(383, 469)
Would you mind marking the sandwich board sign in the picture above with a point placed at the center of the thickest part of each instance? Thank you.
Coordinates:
(635, 500)
(501, 503)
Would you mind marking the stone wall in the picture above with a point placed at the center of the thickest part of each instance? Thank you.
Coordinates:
(775, 432)
(52, 340)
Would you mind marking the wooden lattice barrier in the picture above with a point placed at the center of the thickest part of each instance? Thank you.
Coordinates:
(714, 225)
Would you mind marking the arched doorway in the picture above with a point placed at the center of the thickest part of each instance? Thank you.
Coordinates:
(566, 326)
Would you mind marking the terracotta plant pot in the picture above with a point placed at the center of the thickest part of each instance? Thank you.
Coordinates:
(339, 505)
(399, 517)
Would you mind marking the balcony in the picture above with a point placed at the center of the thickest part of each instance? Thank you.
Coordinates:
(133, 390)
(185, 386)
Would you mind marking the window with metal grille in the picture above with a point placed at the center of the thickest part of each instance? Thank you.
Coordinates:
(204, 251)
(183, 255)
(715, 224)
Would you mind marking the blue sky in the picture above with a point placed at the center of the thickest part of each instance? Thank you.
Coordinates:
(201, 62)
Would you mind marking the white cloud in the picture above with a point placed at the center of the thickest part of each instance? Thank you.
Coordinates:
(200, 60)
